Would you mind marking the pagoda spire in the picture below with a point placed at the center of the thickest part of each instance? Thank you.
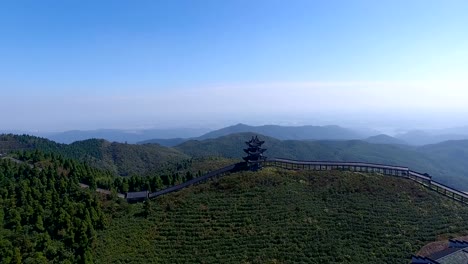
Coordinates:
(254, 153)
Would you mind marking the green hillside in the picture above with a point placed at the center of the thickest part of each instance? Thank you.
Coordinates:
(11, 142)
(445, 161)
(122, 159)
(126, 159)
(452, 155)
(277, 216)
(271, 216)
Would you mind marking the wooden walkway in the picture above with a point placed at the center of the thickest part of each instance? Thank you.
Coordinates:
(216, 173)
(397, 171)
(102, 191)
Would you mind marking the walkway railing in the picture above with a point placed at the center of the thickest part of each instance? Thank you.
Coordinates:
(219, 172)
(398, 171)
(421, 178)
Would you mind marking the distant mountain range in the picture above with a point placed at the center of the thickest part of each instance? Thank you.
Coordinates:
(414, 137)
(446, 160)
(275, 131)
(122, 136)
(289, 132)
(420, 137)
(385, 139)
(173, 137)
(170, 142)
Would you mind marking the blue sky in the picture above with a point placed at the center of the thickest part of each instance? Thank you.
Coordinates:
(94, 64)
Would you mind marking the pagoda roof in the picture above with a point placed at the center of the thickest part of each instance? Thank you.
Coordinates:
(255, 141)
(258, 150)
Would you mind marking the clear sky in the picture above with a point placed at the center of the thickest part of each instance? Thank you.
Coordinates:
(80, 64)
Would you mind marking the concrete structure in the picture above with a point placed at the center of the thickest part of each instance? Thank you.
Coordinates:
(456, 253)
(133, 197)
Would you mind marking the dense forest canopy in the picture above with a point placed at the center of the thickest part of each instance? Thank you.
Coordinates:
(45, 216)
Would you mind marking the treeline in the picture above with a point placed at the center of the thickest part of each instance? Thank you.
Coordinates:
(170, 175)
(45, 217)
(149, 183)
(120, 159)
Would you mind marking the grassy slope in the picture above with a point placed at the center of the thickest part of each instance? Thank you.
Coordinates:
(276, 216)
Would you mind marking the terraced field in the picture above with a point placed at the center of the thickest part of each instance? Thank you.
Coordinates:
(277, 216)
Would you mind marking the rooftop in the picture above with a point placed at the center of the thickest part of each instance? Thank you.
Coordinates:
(456, 253)
(459, 256)
(137, 195)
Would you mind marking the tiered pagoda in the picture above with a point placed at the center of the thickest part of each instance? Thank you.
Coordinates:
(254, 153)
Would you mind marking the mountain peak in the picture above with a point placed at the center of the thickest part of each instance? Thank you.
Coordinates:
(384, 139)
(288, 132)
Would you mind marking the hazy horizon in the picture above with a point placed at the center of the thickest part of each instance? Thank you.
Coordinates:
(386, 65)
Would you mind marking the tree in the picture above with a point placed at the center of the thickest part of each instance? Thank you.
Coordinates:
(147, 208)
(16, 256)
(159, 183)
(125, 186)
(39, 223)
(189, 176)
(6, 251)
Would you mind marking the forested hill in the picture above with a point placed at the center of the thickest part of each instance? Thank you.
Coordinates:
(445, 161)
(385, 139)
(127, 159)
(277, 216)
(44, 216)
(242, 217)
(122, 159)
(288, 132)
(275, 131)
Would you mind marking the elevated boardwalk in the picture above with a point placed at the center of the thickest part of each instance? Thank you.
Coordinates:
(396, 171)
(231, 168)
(102, 191)
(399, 171)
